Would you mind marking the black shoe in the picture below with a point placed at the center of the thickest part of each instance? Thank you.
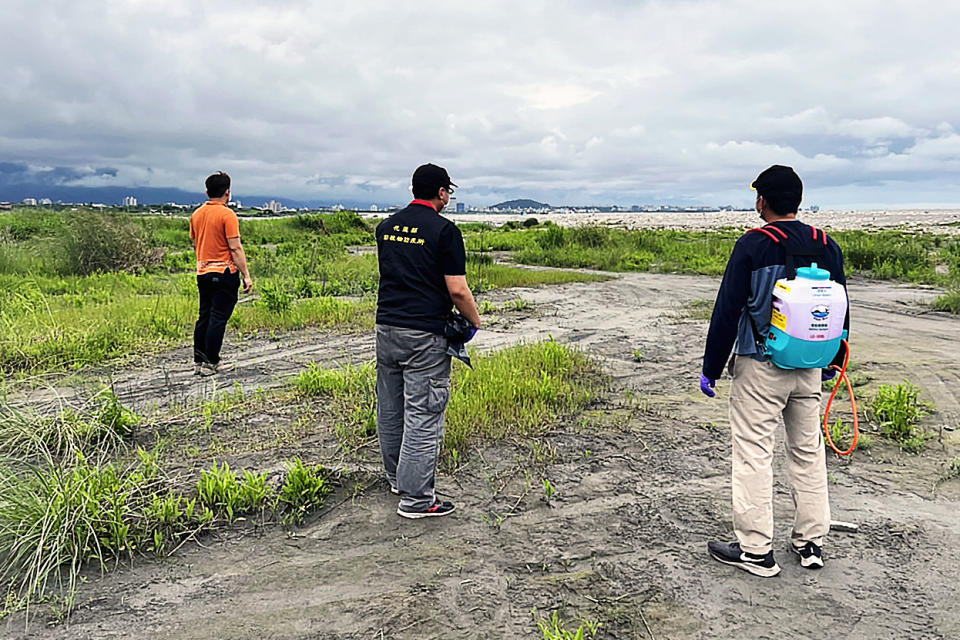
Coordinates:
(438, 508)
(811, 556)
(731, 553)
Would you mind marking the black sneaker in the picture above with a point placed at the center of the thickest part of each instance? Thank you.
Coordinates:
(730, 553)
(438, 508)
(811, 556)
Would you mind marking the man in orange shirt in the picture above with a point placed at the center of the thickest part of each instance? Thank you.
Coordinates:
(215, 231)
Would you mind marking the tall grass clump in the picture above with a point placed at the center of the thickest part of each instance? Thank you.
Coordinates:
(96, 428)
(54, 517)
(898, 410)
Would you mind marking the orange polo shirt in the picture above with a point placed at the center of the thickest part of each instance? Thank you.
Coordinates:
(210, 226)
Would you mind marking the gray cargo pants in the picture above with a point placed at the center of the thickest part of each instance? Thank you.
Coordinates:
(413, 388)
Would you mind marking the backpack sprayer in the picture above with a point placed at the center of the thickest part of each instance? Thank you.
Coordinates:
(806, 326)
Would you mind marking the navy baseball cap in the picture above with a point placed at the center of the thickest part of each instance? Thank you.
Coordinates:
(779, 180)
(432, 177)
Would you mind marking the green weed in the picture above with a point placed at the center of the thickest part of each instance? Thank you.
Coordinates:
(898, 409)
(554, 628)
(222, 492)
(303, 490)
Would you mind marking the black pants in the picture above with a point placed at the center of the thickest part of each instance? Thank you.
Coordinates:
(218, 297)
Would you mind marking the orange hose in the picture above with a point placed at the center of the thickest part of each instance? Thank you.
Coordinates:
(853, 404)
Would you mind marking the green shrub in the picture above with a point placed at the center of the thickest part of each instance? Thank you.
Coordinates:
(275, 298)
(95, 242)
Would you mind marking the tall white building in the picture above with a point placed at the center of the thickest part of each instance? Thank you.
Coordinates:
(129, 201)
(273, 206)
(30, 202)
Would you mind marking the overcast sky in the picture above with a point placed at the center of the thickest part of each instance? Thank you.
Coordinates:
(604, 101)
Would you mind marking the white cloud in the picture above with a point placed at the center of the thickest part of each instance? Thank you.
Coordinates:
(606, 101)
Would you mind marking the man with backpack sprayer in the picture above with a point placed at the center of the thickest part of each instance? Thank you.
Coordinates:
(749, 320)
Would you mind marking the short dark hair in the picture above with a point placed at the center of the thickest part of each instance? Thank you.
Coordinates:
(783, 203)
(425, 191)
(217, 184)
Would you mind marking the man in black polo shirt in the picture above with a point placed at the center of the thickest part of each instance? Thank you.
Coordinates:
(422, 275)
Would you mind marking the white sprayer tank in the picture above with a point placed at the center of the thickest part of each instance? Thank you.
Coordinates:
(806, 324)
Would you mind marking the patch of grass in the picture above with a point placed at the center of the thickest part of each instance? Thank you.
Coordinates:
(518, 391)
(898, 409)
(353, 394)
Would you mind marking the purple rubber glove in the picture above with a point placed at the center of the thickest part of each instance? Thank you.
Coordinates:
(473, 332)
(827, 374)
(707, 385)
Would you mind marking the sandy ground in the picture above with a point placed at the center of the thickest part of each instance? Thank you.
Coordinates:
(939, 220)
(642, 480)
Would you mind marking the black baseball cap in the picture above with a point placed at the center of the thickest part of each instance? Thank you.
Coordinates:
(778, 180)
(432, 177)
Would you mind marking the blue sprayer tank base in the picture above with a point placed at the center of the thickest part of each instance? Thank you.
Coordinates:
(788, 352)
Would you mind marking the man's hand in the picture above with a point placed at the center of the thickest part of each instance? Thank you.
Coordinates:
(247, 284)
(707, 385)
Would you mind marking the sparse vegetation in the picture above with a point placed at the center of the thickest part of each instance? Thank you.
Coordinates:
(124, 284)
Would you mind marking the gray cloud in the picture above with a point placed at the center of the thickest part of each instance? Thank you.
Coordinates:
(563, 101)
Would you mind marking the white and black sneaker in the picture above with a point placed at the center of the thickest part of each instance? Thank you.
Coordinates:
(811, 556)
(730, 553)
(395, 491)
(438, 508)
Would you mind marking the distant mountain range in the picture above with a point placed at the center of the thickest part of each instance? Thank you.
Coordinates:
(152, 195)
(520, 204)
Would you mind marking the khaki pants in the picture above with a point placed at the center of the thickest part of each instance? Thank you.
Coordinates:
(761, 395)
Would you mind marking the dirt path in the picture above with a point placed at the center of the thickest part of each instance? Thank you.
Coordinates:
(643, 484)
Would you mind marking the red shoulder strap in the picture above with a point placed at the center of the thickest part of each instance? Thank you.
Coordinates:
(766, 233)
(823, 235)
(777, 229)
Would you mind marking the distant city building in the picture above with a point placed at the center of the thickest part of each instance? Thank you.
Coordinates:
(129, 201)
(374, 207)
(235, 204)
(30, 202)
(337, 207)
(5, 206)
(814, 208)
(45, 202)
(273, 206)
(461, 207)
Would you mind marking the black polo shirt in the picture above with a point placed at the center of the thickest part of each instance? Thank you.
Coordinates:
(416, 248)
